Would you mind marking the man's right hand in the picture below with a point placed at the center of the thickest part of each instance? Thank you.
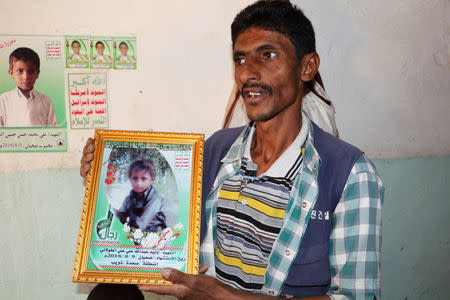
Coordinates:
(88, 156)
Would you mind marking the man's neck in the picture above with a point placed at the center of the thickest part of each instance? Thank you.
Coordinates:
(272, 138)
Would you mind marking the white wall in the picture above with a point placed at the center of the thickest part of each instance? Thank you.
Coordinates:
(385, 64)
(184, 74)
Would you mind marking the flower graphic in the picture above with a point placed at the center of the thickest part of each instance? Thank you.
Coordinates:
(153, 240)
(112, 167)
(150, 241)
(178, 227)
(138, 234)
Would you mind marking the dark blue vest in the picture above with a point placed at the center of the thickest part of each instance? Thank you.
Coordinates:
(310, 271)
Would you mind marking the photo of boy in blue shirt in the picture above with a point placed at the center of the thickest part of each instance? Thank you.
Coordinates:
(144, 208)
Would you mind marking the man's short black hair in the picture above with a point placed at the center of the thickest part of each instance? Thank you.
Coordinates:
(99, 43)
(123, 43)
(279, 16)
(142, 164)
(25, 54)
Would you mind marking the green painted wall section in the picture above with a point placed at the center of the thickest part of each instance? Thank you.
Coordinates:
(40, 213)
(416, 228)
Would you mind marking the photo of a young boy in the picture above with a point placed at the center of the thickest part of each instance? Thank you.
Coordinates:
(144, 208)
(100, 56)
(77, 55)
(24, 106)
(123, 56)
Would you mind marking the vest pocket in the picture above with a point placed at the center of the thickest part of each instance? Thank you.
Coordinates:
(311, 267)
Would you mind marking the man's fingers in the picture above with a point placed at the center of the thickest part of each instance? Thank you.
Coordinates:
(84, 169)
(87, 157)
(179, 277)
(196, 282)
(173, 275)
(89, 147)
(203, 269)
(174, 290)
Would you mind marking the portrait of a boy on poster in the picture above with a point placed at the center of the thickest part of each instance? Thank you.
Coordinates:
(125, 53)
(32, 101)
(144, 199)
(102, 51)
(77, 51)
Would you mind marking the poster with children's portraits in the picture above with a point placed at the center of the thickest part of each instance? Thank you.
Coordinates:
(124, 52)
(102, 52)
(141, 210)
(77, 51)
(32, 99)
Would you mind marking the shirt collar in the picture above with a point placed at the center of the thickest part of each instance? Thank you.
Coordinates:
(311, 157)
(22, 96)
(289, 156)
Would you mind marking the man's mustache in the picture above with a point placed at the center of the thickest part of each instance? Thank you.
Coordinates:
(263, 86)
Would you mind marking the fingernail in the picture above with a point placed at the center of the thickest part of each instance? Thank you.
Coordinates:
(165, 273)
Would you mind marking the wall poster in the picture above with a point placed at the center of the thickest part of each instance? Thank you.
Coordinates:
(77, 51)
(32, 100)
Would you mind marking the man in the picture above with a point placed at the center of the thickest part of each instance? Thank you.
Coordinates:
(289, 210)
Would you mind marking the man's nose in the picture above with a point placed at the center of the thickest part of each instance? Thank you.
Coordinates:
(250, 70)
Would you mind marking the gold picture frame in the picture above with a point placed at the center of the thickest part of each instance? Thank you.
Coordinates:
(141, 209)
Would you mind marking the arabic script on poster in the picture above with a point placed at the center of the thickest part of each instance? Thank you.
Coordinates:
(88, 100)
(33, 139)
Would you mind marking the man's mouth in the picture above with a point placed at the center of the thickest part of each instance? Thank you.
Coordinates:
(255, 90)
(253, 94)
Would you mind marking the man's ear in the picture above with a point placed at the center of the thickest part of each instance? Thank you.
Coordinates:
(309, 66)
(10, 72)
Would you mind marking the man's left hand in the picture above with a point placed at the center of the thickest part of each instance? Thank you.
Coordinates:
(190, 287)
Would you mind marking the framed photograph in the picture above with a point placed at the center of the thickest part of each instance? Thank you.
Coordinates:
(40, 125)
(141, 209)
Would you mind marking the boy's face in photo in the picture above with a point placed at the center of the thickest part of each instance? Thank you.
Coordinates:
(141, 181)
(76, 48)
(123, 49)
(25, 74)
(100, 48)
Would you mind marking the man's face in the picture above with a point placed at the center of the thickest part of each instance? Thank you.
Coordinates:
(141, 181)
(267, 73)
(123, 49)
(100, 48)
(76, 48)
(25, 74)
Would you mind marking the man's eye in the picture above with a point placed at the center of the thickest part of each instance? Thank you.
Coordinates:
(239, 60)
(269, 54)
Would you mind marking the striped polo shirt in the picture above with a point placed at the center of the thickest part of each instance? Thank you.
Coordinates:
(250, 211)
